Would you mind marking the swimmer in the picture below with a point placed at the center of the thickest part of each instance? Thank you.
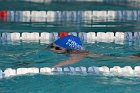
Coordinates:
(72, 46)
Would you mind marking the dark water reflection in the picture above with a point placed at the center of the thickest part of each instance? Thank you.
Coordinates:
(69, 4)
(69, 15)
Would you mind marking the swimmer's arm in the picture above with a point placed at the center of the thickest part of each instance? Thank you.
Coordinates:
(69, 61)
(102, 56)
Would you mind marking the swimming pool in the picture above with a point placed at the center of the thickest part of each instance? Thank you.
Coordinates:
(28, 53)
(110, 27)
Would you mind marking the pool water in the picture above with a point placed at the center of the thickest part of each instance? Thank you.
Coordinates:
(63, 84)
(25, 54)
(70, 16)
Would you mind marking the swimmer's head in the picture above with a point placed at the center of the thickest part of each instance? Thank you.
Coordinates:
(66, 44)
(69, 42)
(57, 49)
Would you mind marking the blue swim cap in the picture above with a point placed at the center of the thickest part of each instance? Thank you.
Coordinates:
(69, 42)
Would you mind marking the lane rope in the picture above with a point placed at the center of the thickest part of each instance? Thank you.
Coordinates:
(93, 70)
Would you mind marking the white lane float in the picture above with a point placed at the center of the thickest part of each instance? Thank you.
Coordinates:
(116, 70)
(45, 37)
(34, 36)
(72, 33)
(45, 70)
(22, 71)
(137, 70)
(1, 74)
(15, 36)
(105, 37)
(50, 16)
(38, 16)
(119, 37)
(9, 72)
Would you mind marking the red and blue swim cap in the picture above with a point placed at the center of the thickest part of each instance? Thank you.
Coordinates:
(70, 42)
